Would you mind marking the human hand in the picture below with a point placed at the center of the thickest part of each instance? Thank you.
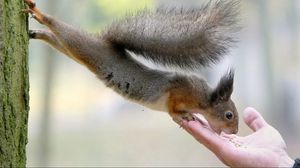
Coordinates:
(263, 148)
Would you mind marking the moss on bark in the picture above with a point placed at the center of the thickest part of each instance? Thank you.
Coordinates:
(14, 85)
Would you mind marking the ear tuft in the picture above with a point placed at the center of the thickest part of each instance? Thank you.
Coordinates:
(224, 89)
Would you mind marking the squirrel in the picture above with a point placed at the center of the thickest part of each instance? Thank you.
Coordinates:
(187, 39)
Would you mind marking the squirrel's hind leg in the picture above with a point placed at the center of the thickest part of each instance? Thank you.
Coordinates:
(48, 37)
(34, 11)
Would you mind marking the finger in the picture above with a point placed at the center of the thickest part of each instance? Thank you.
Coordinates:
(219, 145)
(253, 119)
(205, 136)
(228, 136)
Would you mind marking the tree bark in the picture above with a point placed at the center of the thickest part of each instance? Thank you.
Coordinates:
(14, 85)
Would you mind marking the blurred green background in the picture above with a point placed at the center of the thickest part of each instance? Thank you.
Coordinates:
(76, 121)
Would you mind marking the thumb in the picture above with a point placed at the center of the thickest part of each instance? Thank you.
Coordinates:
(253, 119)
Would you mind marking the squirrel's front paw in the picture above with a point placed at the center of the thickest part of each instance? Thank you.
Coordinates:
(188, 117)
(180, 117)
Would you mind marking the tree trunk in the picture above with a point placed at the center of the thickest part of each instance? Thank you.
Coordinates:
(14, 83)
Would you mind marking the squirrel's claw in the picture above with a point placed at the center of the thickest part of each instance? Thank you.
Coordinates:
(189, 117)
(27, 11)
(30, 11)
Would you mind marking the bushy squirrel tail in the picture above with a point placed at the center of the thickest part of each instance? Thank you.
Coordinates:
(179, 37)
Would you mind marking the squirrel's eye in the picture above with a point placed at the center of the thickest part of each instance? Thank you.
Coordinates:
(229, 115)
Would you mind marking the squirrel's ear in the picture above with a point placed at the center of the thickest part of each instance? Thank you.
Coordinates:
(224, 89)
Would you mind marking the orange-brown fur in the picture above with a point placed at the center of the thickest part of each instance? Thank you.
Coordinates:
(180, 101)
